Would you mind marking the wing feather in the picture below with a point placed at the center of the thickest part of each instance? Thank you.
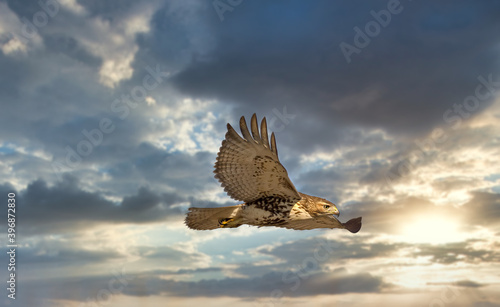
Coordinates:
(244, 130)
(263, 131)
(353, 225)
(234, 136)
(255, 129)
(249, 169)
(274, 149)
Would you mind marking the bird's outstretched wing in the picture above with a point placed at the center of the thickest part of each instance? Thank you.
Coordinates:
(353, 225)
(249, 169)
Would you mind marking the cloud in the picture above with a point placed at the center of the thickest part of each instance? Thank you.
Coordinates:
(296, 252)
(46, 208)
(351, 125)
(484, 208)
(450, 253)
(140, 285)
(69, 46)
(51, 254)
(462, 283)
(166, 252)
(304, 68)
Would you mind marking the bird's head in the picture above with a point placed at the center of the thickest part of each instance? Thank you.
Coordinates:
(323, 206)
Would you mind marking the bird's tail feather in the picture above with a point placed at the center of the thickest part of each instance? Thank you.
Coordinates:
(210, 218)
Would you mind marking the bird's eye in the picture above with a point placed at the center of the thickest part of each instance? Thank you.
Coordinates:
(326, 206)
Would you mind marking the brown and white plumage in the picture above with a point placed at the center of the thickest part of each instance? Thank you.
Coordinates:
(249, 169)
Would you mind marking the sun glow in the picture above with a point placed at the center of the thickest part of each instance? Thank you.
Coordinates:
(432, 229)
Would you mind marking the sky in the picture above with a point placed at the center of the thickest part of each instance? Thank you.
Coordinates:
(112, 113)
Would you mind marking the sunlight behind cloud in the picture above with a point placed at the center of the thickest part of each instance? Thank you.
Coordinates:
(432, 229)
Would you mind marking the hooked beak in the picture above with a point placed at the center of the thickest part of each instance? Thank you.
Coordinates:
(336, 212)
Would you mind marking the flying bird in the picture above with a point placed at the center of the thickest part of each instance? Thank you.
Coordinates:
(249, 169)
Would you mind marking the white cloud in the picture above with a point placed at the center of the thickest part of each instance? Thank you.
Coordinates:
(114, 41)
(73, 6)
(185, 125)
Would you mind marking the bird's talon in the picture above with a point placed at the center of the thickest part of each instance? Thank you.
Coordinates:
(224, 222)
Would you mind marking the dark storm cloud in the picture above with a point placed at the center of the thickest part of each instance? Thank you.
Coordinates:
(177, 169)
(45, 106)
(127, 165)
(83, 288)
(324, 183)
(316, 284)
(313, 255)
(460, 283)
(426, 151)
(48, 253)
(25, 9)
(180, 31)
(186, 271)
(484, 208)
(69, 46)
(104, 9)
(295, 252)
(277, 279)
(107, 10)
(272, 54)
(65, 206)
(7, 188)
(450, 253)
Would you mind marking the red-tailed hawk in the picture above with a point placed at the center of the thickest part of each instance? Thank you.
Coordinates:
(250, 171)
